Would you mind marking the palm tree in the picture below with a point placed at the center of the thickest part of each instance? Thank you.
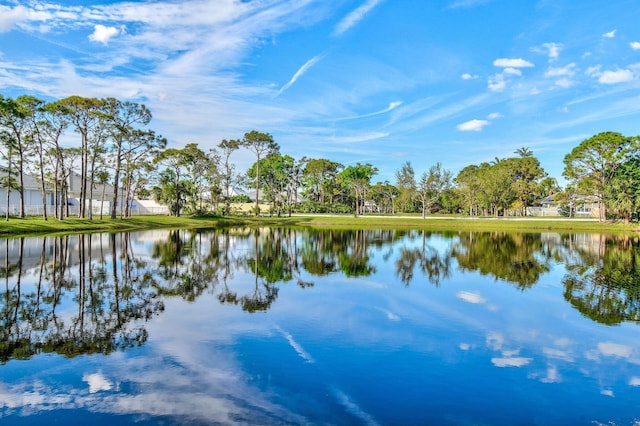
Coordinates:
(524, 152)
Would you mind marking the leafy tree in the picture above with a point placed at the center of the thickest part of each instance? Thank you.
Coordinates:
(127, 120)
(568, 200)
(406, 184)
(293, 172)
(16, 122)
(274, 178)
(102, 178)
(173, 191)
(526, 174)
(384, 195)
(319, 178)
(432, 185)
(593, 163)
(175, 186)
(468, 182)
(622, 193)
(54, 123)
(142, 150)
(202, 167)
(261, 144)
(548, 186)
(497, 191)
(358, 179)
(84, 114)
(228, 147)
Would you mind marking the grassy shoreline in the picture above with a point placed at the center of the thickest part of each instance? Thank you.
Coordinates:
(34, 226)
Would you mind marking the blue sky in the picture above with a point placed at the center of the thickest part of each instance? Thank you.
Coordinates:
(380, 81)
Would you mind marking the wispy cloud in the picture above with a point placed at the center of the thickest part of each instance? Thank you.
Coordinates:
(459, 4)
(391, 107)
(467, 76)
(635, 45)
(470, 297)
(352, 407)
(295, 345)
(610, 34)
(303, 69)
(354, 17)
(365, 137)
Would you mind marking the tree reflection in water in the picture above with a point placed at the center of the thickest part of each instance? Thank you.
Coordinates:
(515, 258)
(603, 278)
(85, 294)
(107, 305)
(433, 264)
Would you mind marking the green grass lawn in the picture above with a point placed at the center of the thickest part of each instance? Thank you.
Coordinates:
(33, 225)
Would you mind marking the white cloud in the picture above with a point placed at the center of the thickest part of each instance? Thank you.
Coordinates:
(512, 71)
(495, 340)
(472, 126)
(557, 354)
(553, 49)
(635, 45)
(510, 353)
(97, 382)
(594, 71)
(553, 376)
(615, 77)
(569, 70)
(102, 34)
(494, 115)
(565, 83)
(610, 34)
(303, 69)
(467, 296)
(563, 341)
(634, 381)
(11, 16)
(497, 83)
(607, 392)
(511, 362)
(512, 63)
(467, 76)
(355, 16)
(615, 349)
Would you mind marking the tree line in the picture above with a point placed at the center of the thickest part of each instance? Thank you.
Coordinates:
(117, 147)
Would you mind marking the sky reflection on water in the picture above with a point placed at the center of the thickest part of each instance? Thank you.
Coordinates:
(379, 334)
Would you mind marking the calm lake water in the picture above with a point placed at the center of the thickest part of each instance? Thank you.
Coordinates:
(281, 326)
